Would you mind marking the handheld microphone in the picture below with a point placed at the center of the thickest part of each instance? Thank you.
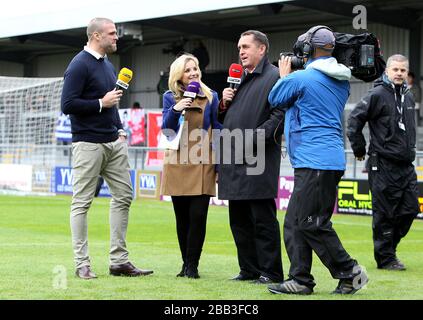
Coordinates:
(235, 74)
(124, 76)
(192, 90)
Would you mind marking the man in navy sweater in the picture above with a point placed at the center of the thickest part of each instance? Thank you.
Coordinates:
(98, 147)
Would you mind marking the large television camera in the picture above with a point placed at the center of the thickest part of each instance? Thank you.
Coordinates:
(361, 53)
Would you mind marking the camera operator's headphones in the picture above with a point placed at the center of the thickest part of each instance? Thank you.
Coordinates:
(306, 47)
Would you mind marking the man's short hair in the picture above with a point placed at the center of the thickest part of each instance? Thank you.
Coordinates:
(96, 25)
(398, 58)
(259, 37)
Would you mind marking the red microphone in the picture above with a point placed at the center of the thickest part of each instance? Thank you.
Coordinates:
(235, 74)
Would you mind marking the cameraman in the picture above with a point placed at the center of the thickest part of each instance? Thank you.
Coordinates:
(314, 99)
(389, 109)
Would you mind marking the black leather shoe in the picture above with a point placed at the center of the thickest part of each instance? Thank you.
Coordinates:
(244, 277)
(85, 273)
(129, 270)
(264, 280)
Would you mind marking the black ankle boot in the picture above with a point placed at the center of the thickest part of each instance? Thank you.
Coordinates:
(182, 272)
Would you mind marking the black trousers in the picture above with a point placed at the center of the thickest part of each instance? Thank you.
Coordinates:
(308, 228)
(256, 232)
(191, 218)
(394, 205)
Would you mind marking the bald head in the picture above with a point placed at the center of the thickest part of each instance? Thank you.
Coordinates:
(97, 25)
(102, 36)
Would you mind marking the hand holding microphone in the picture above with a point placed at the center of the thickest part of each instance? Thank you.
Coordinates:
(182, 105)
(113, 97)
(190, 93)
(228, 95)
(235, 74)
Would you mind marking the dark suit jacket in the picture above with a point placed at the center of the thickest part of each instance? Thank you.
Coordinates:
(250, 109)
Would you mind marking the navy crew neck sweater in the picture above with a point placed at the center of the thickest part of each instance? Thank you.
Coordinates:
(87, 80)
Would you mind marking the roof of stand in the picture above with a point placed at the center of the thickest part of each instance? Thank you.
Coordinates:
(45, 28)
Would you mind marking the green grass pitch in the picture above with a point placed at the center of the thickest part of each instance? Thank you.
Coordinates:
(37, 261)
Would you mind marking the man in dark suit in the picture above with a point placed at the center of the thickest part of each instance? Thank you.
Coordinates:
(251, 184)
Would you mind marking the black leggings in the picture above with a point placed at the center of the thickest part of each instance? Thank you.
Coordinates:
(191, 219)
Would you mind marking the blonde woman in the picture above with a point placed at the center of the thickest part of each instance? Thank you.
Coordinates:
(189, 174)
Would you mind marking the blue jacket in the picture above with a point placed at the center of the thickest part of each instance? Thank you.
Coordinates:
(315, 99)
(171, 117)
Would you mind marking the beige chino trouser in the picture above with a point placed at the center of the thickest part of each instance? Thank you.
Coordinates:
(89, 161)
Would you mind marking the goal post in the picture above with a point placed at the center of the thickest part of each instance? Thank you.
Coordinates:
(29, 111)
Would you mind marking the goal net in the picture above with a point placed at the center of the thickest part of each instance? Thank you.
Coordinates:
(29, 111)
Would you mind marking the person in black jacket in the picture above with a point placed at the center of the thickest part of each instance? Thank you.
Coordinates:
(389, 109)
(251, 183)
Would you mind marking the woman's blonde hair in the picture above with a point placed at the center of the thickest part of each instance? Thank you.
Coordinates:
(177, 69)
